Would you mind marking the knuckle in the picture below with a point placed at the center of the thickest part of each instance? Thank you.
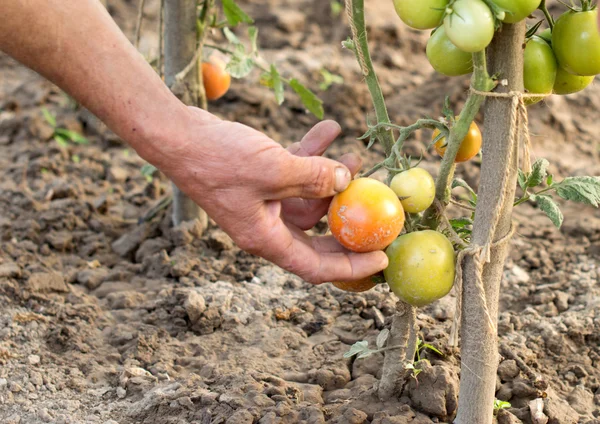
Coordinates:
(320, 181)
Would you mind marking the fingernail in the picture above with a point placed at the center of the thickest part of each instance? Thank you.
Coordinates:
(342, 179)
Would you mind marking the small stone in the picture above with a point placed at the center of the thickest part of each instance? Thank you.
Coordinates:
(219, 240)
(45, 282)
(121, 392)
(558, 411)
(150, 247)
(33, 359)
(581, 400)
(352, 416)
(520, 275)
(240, 417)
(374, 314)
(36, 378)
(505, 392)
(13, 419)
(92, 278)
(14, 387)
(508, 370)
(3, 383)
(60, 240)
(10, 270)
(187, 231)
(291, 20)
(561, 301)
(117, 174)
(44, 415)
(129, 242)
(505, 417)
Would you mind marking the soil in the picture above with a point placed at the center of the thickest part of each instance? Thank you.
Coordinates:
(105, 319)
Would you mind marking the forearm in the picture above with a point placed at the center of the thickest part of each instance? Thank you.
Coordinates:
(77, 45)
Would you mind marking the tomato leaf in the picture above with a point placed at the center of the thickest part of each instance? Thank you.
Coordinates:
(432, 348)
(309, 99)
(580, 189)
(382, 338)
(276, 84)
(547, 205)
(235, 14)
(460, 223)
(538, 174)
(60, 140)
(357, 348)
(522, 180)
(253, 35)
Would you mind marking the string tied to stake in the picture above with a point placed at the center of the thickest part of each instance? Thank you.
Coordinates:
(481, 254)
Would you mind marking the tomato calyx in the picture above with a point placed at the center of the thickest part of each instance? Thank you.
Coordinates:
(585, 6)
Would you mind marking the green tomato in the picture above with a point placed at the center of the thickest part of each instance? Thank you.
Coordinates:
(576, 42)
(470, 26)
(546, 35)
(421, 267)
(445, 57)
(567, 83)
(415, 188)
(517, 10)
(539, 68)
(421, 14)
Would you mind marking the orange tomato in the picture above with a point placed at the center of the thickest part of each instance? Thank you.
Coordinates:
(215, 78)
(365, 217)
(360, 286)
(470, 146)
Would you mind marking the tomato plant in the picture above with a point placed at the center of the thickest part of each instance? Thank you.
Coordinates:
(470, 26)
(469, 146)
(215, 78)
(416, 189)
(576, 42)
(421, 267)
(517, 10)
(445, 57)
(540, 66)
(422, 14)
(365, 217)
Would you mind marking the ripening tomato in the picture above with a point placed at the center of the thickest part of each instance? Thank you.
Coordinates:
(470, 26)
(365, 217)
(539, 68)
(445, 57)
(422, 14)
(361, 285)
(576, 42)
(517, 10)
(215, 78)
(470, 146)
(421, 267)
(567, 83)
(415, 188)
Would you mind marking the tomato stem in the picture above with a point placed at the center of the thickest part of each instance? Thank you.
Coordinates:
(480, 81)
(384, 134)
(547, 14)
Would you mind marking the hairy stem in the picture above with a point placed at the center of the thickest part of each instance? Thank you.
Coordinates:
(361, 48)
(547, 14)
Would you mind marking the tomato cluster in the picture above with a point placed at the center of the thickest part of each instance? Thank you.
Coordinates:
(370, 216)
(563, 61)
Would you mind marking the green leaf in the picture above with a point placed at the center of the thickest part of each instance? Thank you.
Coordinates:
(547, 205)
(538, 174)
(309, 99)
(277, 85)
(231, 37)
(432, 348)
(253, 35)
(49, 117)
(357, 348)
(459, 223)
(71, 135)
(459, 182)
(550, 180)
(61, 141)
(148, 170)
(522, 180)
(580, 189)
(240, 64)
(235, 14)
(500, 404)
(75, 158)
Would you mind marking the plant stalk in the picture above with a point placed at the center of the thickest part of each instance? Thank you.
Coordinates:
(479, 351)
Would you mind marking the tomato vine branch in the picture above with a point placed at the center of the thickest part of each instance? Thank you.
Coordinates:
(547, 14)
(361, 49)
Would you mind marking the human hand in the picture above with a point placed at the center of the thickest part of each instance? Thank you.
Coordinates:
(265, 196)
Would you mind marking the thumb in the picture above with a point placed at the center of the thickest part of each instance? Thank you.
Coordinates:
(312, 177)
